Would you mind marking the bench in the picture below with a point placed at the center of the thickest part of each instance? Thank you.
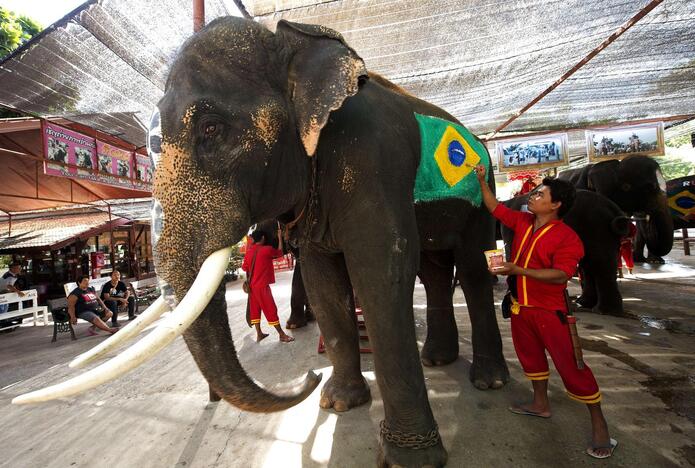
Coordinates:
(34, 309)
(61, 319)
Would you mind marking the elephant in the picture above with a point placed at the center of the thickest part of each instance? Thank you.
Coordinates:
(637, 186)
(681, 201)
(258, 125)
(600, 224)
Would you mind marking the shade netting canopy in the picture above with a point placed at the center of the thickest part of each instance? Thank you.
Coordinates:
(484, 61)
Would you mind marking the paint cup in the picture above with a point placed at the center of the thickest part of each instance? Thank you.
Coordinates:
(495, 259)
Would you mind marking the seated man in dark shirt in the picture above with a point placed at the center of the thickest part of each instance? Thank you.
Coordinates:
(84, 303)
(114, 293)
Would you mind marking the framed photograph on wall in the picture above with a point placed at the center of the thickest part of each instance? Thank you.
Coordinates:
(618, 142)
(537, 152)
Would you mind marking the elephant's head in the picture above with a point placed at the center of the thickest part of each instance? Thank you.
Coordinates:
(240, 118)
(638, 187)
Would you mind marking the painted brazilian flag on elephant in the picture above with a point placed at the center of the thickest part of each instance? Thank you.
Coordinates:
(448, 155)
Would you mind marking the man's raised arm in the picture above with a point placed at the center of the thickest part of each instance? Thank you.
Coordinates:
(488, 197)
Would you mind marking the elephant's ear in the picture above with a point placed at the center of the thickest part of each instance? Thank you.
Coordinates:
(322, 72)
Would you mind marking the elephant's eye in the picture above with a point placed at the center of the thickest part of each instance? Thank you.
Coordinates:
(210, 129)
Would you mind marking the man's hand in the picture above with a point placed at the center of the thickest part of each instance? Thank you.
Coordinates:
(21, 294)
(124, 301)
(507, 268)
(480, 171)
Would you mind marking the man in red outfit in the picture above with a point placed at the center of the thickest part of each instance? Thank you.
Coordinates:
(545, 253)
(258, 265)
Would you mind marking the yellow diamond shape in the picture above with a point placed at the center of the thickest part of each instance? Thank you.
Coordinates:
(684, 194)
(454, 174)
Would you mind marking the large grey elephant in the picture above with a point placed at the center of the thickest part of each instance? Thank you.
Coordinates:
(637, 186)
(259, 125)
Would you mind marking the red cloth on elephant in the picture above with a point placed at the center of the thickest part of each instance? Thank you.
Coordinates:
(533, 331)
(554, 245)
(261, 298)
(263, 271)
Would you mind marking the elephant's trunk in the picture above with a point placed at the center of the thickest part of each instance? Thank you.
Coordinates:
(210, 341)
(658, 231)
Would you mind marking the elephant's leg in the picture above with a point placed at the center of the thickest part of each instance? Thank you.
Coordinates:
(298, 300)
(383, 274)
(609, 300)
(640, 244)
(442, 343)
(589, 296)
(489, 369)
(330, 294)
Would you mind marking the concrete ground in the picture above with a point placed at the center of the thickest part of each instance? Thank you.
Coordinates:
(159, 415)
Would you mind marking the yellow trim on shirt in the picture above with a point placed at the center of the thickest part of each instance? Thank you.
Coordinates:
(528, 259)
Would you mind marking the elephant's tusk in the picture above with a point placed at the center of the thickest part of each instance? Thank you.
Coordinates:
(192, 305)
(152, 313)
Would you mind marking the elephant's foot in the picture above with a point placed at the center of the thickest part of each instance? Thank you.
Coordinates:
(341, 395)
(299, 320)
(391, 455)
(603, 309)
(654, 260)
(489, 372)
(586, 302)
(439, 352)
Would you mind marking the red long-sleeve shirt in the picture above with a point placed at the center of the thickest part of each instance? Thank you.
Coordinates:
(555, 245)
(263, 272)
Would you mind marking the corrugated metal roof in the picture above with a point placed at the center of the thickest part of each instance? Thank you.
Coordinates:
(481, 60)
(46, 231)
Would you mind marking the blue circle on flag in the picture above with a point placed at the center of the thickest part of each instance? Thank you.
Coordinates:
(456, 153)
(685, 202)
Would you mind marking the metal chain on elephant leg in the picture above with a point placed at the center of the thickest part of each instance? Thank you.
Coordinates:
(409, 440)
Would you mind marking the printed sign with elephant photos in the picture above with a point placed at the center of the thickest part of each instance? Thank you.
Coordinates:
(537, 152)
(72, 154)
(619, 142)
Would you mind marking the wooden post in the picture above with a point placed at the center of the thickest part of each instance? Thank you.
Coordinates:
(112, 256)
(198, 15)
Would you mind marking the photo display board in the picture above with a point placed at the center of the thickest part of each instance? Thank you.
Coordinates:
(619, 142)
(72, 154)
(537, 152)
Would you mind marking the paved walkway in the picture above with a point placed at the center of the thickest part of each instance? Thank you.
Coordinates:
(159, 415)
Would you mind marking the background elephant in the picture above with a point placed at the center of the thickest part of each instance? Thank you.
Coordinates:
(256, 125)
(636, 185)
(600, 225)
(681, 201)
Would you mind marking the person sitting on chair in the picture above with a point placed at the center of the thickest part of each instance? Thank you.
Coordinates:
(114, 293)
(84, 303)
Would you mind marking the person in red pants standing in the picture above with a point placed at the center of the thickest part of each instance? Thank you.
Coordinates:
(258, 265)
(545, 253)
(626, 251)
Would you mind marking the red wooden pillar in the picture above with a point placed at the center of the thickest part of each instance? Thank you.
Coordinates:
(198, 15)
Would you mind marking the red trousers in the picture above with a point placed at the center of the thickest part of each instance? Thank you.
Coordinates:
(536, 330)
(262, 299)
(626, 255)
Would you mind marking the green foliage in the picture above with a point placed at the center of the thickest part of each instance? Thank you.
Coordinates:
(235, 259)
(15, 30)
(673, 168)
(679, 141)
(5, 261)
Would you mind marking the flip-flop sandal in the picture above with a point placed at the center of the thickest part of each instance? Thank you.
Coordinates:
(525, 412)
(591, 450)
